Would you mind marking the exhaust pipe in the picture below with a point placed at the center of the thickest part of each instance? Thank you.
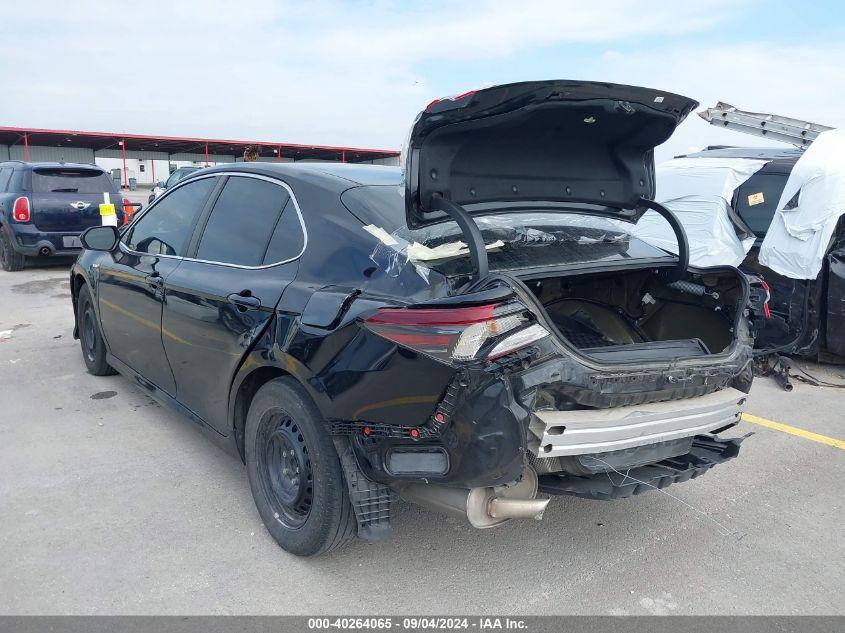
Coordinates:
(482, 507)
(517, 508)
(44, 251)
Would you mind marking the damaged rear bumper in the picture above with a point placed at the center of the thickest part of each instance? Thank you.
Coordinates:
(706, 451)
(585, 431)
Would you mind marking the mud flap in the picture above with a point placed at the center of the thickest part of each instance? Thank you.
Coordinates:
(370, 500)
(706, 452)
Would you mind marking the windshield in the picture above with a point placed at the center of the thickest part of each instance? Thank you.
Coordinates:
(757, 198)
(178, 175)
(528, 239)
(71, 181)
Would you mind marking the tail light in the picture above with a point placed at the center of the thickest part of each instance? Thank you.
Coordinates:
(458, 334)
(767, 311)
(21, 211)
(457, 101)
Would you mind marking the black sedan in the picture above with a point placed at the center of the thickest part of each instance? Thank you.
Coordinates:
(466, 336)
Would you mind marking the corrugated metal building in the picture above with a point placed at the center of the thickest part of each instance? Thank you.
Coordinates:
(149, 159)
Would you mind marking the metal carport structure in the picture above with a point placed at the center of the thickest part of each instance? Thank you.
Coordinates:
(79, 146)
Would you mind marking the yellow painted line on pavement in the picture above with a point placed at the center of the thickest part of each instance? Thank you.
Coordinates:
(792, 430)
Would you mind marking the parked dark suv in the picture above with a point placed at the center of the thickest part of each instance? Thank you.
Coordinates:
(45, 206)
(466, 336)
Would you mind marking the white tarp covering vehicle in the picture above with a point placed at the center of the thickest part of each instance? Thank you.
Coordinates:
(800, 234)
(699, 191)
(778, 213)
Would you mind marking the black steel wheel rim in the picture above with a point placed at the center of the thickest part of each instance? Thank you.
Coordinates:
(285, 469)
(89, 340)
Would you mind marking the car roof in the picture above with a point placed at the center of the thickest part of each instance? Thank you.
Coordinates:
(781, 159)
(765, 153)
(352, 173)
(54, 165)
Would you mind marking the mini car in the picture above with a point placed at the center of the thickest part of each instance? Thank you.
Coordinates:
(470, 333)
(44, 207)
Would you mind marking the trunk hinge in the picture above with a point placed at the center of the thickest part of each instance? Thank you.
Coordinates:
(680, 235)
(472, 234)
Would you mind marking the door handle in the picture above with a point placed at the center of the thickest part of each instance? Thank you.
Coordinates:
(155, 280)
(244, 300)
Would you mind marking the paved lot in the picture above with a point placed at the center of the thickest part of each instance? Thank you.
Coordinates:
(112, 504)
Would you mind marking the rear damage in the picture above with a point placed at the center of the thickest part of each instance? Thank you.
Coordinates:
(600, 378)
(549, 416)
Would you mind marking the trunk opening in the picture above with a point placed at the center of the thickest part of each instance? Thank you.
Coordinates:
(642, 315)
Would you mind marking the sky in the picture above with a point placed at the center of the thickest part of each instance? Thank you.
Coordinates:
(356, 73)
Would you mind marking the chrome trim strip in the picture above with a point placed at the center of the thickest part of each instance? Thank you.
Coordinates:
(280, 183)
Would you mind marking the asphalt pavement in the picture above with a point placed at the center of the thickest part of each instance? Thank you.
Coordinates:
(111, 504)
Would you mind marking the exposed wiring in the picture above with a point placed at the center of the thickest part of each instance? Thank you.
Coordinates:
(817, 382)
(626, 476)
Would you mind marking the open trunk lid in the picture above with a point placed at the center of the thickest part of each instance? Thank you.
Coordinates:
(584, 144)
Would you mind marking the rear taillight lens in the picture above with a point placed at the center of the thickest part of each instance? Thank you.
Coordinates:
(518, 340)
(457, 101)
(767, 311)
(457, 334)
(20, 211)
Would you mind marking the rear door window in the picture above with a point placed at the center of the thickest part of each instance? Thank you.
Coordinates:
(757, 198)
(71, 181)
(242, 222)
(5, 175)
(168, 225)
(287, 240)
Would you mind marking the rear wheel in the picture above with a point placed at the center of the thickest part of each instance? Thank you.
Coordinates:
(294, 471)
(93, 347)
(10, 259)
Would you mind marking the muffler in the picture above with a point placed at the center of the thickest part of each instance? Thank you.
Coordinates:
(482, 507)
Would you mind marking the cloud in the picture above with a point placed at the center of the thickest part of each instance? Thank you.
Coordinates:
(356, 73)
(804, 81)
(489, 30)
(326, 72)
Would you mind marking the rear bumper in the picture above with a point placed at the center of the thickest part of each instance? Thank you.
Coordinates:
(28, 240)
(491, 421)
(705, 452)
(588, 431)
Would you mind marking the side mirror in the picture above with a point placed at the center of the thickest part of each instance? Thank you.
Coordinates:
(100, 238)
(160, 184)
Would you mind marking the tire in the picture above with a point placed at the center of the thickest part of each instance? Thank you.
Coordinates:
(294, 471)
(90, 339)
(10, 259)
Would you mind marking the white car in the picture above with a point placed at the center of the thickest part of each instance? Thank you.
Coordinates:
(176, 176)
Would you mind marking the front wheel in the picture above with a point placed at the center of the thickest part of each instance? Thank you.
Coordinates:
(294, 471)
(10, 259)
(90, 339)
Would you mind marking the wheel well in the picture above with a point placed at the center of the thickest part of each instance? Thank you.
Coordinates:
(76, 286)
(78, 282)
(246, 391)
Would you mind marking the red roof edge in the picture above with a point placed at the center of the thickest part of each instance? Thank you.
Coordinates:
(190, 139)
